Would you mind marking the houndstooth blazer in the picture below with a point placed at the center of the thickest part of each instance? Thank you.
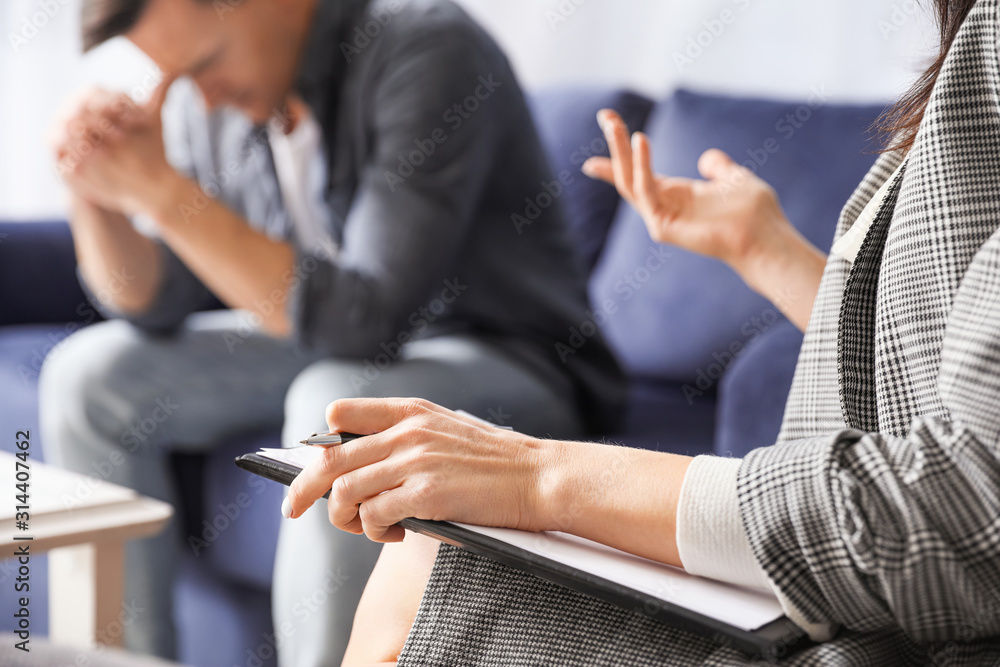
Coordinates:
(879, 507)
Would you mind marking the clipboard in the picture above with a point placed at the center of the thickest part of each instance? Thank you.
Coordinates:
(777, 638)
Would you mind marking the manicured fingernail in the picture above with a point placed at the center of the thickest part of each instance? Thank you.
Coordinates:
(588, 168)
(636, 140)
(286, 508)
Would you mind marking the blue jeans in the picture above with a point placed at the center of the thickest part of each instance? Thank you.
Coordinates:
(117, 401)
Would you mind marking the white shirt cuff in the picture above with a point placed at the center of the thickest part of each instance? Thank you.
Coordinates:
(711, 540)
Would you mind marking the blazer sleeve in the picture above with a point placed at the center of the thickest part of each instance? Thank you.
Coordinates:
(874, 531)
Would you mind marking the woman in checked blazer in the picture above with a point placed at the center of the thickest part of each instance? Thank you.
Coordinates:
(875, 518)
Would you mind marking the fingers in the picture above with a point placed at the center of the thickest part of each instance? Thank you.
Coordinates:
(714, 164)
(383, 477)
(318, 477)
(599, 168)
(359, 486)
(108, 105)
(92, 119)
(154, 105)
(77, 102)
(616, 134)
(373, 415)
(644, 186)
(380, 515)
(103, 109)
(86, 133)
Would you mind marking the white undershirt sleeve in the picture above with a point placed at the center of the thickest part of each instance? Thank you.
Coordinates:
(711, 540)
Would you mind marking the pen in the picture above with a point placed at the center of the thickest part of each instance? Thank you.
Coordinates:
(329, 439)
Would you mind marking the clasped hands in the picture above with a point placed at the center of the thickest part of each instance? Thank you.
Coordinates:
(109, 150)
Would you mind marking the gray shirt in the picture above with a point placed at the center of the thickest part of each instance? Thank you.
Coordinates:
(431, 151)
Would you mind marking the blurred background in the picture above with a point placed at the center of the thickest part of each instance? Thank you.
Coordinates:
(854, 50)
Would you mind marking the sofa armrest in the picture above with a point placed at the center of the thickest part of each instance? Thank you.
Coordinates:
(753, 392)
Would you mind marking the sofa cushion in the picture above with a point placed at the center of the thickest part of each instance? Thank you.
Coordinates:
(567, 124)
(676, 314)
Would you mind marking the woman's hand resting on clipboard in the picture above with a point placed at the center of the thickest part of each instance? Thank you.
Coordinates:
(427, 462)
(421, 461)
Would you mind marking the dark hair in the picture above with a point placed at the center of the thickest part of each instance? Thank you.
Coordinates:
(898, 126)
(103, 19)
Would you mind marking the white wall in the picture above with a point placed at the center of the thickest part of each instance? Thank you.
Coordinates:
(859, 50)
(39, 68)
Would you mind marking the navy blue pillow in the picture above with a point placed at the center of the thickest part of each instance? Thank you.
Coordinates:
(567, 123)
(678, 316)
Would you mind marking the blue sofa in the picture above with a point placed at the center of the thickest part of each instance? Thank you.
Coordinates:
(710, 361)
